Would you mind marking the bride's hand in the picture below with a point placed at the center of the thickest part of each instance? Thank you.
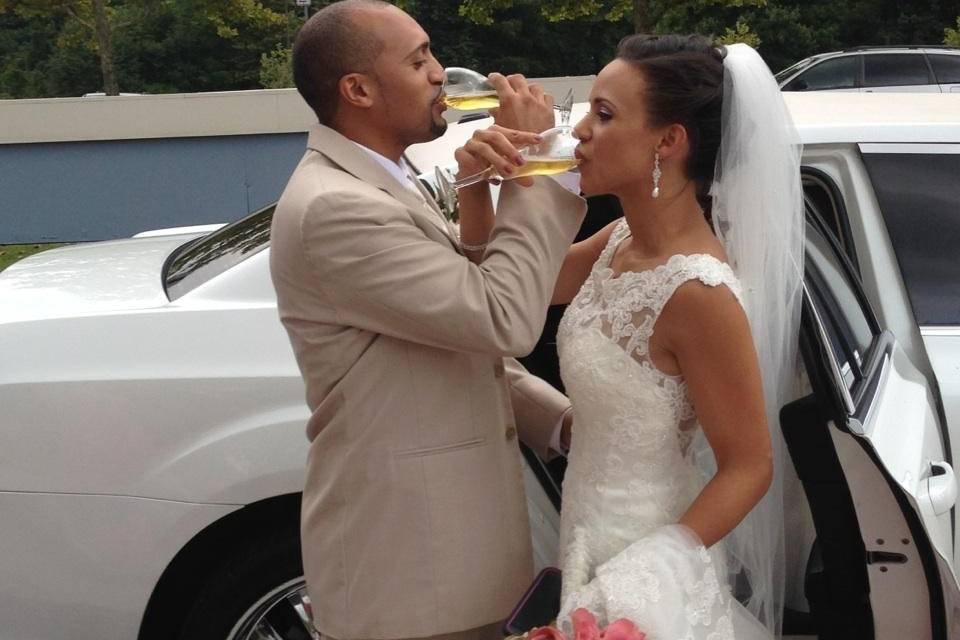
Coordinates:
(495, 147)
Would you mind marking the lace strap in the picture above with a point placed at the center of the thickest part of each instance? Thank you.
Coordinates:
(699, 266)
(620, 232)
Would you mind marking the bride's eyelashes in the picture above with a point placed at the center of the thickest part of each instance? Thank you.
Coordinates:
(600, 114)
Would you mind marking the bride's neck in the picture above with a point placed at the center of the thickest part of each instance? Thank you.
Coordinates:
(656, 224)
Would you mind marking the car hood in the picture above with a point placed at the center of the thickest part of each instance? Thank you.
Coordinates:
(87, 279)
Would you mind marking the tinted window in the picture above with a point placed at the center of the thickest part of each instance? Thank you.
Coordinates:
(895, 70)
(836, 73)
(792, 69)
(823, 199)
(839, 304)
(919, 195)
(946, 68)
(202, 259)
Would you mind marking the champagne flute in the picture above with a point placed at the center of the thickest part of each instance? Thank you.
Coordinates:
(552, 155)
(465, 89)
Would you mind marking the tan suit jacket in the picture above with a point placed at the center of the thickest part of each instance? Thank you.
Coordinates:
(414, 521)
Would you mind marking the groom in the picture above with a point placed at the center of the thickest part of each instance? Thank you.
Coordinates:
(413, 519)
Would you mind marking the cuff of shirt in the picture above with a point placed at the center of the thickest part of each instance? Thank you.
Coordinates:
(569, 181)
(555, 442)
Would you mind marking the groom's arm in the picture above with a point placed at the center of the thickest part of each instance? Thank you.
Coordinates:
(538, 408)
(382, 273)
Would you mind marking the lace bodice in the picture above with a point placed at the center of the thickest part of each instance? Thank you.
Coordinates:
(630, 472)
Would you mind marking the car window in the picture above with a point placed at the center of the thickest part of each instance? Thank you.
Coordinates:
(945, 68)
(823, 199)
(895, 70)
(200, 260)
(919, 196)
(841, 307)
(792, 69)
(836, 73)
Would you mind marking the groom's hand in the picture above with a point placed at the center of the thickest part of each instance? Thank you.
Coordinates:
(523, 106)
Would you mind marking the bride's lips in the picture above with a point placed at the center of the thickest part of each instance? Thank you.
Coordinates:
(579, 156)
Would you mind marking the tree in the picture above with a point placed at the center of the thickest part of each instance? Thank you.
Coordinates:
(94, 15)
(276, 70)
(642, 14)
(951, 37)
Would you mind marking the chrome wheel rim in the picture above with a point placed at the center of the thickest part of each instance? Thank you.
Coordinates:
(284, 613)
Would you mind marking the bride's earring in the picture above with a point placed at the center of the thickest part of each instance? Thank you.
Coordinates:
(656, 175)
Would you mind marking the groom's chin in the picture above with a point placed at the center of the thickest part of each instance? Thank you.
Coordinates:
(437, 128)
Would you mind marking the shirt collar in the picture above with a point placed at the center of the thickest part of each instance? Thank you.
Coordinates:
(398, 171)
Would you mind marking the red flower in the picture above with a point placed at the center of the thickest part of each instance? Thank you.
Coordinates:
(585, 628)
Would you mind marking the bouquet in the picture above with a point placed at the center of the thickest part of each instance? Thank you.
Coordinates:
(585, 628)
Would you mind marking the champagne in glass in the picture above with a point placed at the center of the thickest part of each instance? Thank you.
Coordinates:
(552, 155)
(470, 101)
(465, 89)
(544, 166)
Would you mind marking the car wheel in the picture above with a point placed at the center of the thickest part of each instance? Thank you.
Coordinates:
(258, 593)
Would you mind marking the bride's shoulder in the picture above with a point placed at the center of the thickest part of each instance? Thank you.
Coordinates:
(703, 306)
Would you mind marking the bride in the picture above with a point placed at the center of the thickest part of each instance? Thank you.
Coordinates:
(678, 346)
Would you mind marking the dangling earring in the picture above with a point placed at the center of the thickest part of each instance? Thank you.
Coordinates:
(656, 175)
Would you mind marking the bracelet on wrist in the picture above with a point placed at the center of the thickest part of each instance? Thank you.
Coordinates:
(473, 247)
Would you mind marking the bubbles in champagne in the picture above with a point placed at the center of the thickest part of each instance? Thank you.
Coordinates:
(543, 166)
(470, 101)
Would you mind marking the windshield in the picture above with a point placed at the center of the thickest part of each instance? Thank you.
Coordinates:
(203, 258)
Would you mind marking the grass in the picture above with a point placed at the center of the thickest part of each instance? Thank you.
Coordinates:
(10, 253)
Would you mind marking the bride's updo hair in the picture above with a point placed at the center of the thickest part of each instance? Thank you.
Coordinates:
(684, 75)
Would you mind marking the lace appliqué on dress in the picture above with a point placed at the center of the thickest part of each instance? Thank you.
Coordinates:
(630, 475)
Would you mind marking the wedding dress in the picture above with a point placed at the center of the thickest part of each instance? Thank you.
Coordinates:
(630, 474)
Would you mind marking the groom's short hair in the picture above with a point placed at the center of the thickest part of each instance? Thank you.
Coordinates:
(330, 45)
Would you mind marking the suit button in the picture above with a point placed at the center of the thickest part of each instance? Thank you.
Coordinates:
(498, 369)
(511, 433)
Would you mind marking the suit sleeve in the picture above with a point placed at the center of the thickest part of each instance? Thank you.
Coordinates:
(537, 407)
(382, 273)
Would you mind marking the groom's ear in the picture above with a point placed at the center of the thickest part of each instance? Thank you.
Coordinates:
(357, 90)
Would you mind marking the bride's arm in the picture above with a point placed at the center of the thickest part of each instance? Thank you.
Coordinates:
(706, 331)
(576, 266)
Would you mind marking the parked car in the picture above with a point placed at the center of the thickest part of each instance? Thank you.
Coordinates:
(152, 442)
(867, 69)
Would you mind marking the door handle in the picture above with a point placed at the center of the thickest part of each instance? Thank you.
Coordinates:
(941, 487)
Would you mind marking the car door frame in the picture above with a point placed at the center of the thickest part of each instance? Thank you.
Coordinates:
(844, 478)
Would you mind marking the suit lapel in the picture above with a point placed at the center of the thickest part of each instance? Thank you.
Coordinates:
(345, 154)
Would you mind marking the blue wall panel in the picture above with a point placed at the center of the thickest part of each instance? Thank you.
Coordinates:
(80, 191)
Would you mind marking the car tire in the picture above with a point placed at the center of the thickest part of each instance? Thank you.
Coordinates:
(260, 583)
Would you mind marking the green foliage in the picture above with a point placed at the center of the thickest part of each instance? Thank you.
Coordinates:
(10, 253)
(276, 70)
(48, 47)
(951, 37)
(481, 11)
(740, 33)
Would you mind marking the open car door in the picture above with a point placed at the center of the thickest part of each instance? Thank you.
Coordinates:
(874, 461)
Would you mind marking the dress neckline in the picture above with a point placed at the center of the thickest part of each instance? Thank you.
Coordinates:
(614, 243)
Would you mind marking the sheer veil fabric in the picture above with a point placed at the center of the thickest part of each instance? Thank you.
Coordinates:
(758, 216)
